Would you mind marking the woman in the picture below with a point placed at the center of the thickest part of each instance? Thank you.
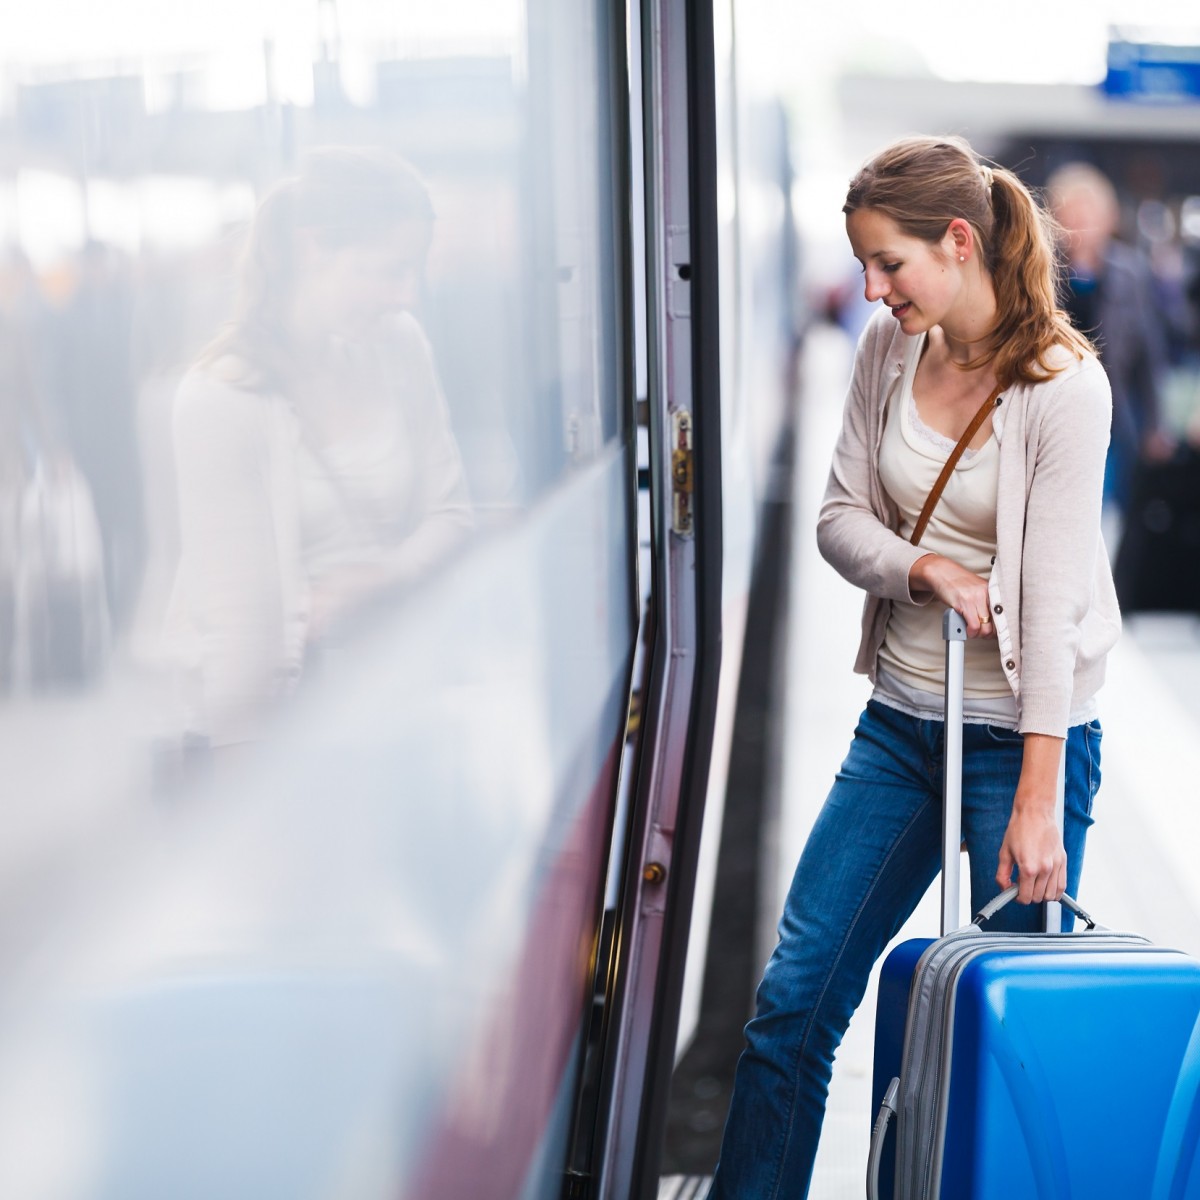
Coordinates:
(315, 461)
(961, 256)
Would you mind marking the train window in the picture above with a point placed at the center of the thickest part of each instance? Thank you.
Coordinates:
(296, 304)
(317, 608)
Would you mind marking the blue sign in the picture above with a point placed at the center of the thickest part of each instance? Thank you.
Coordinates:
(1153, 72)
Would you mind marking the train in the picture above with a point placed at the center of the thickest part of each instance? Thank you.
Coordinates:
(399, 410)
(404, 912)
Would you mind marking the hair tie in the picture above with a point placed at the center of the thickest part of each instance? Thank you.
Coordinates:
(988, 177)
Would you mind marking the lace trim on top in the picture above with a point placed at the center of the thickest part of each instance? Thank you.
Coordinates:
(939, 441)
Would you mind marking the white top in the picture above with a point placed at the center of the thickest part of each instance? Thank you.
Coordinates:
(280, 527)
(962, 527)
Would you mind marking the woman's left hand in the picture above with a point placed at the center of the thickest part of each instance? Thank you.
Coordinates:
(1034, 846)
(1033, 842)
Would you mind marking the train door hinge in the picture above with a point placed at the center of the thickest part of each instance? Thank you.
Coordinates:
(682, 474)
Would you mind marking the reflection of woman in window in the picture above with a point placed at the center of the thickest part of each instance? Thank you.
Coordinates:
(315, 460)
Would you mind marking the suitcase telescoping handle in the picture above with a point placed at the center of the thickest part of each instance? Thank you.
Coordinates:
(954, 631)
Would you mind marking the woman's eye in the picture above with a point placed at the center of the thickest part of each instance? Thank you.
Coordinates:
(891, 268)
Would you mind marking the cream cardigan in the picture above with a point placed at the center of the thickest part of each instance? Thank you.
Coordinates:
(1051, 590)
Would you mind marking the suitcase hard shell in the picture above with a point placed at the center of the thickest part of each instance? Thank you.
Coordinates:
(1051, 1065)
(1046, 1065)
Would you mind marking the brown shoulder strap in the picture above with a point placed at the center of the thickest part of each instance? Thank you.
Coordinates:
(935, 492)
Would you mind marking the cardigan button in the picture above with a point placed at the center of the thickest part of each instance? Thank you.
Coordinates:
(998, 609)
(1010, 665)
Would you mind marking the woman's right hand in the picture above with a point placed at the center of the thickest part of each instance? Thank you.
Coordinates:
(956, 587)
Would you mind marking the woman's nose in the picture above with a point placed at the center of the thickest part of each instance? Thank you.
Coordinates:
(875, 285)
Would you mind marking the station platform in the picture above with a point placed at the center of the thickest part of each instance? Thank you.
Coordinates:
(1141, 872)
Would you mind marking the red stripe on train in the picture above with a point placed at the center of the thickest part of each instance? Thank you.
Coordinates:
(500, 1102)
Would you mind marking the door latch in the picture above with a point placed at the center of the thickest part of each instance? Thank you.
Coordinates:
(682, 474)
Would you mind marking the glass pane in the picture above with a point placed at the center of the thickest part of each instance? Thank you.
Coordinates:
(291, 311)
(315, 590)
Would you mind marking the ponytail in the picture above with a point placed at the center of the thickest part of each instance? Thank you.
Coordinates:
(924, 183)
(1025, 268)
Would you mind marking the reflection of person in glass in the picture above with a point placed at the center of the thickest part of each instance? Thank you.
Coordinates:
(314, 454)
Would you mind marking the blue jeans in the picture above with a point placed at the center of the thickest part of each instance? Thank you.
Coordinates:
(873, 852)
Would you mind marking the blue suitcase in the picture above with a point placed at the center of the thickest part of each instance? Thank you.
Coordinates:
(1054, 1065)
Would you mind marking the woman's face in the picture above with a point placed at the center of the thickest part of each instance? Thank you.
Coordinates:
(916, 279)
(349, 290)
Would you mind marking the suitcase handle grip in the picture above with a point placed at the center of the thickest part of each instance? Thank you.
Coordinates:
(990, 910)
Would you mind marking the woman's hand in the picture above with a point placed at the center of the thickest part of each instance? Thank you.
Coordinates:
(1033, 842)
(340, 593)
(956, 587)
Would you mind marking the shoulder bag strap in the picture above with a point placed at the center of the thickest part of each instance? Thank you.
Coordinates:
(935, 492)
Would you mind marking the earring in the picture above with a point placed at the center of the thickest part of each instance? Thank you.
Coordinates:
(961, 258)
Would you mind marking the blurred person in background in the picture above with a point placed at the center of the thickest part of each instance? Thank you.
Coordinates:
(54, 604)
(969, 354)
(22, 438)
(1111, 297)
(315, 460)
(94, 394)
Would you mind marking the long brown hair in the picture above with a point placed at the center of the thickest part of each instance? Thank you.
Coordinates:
(924, 183)
(341, 196)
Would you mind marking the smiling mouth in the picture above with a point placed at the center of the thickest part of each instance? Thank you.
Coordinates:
(898, 310)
